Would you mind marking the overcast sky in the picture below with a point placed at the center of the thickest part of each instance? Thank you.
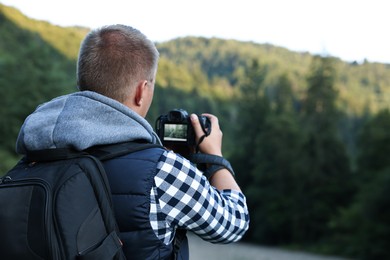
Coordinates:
(352, 30)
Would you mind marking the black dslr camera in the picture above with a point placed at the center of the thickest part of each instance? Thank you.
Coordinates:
(175, 128)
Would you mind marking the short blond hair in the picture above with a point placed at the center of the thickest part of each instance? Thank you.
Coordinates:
(113, 59)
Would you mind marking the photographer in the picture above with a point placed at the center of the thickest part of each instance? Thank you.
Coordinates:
(156, 192)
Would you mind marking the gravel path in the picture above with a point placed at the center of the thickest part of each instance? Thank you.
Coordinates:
(201, 250)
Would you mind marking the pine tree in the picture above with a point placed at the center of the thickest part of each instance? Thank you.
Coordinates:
(323, 183)
(271, 183)
(249, 121)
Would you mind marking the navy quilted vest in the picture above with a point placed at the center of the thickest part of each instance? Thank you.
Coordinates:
(131, 179)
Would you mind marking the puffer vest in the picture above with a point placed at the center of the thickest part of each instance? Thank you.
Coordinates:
(131, 178)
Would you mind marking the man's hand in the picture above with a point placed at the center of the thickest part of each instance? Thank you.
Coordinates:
(211, 144)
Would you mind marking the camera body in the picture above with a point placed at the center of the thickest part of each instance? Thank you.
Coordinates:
(175, 128)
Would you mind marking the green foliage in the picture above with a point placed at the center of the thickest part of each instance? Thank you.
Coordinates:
(374, 143)
(296, 167)
(30, 74)
(370, 210)
(325, 168)
(71, 38)
(271, 189)
(320, 103)
(251, 113)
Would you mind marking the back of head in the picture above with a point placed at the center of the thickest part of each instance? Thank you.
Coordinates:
(113, 59)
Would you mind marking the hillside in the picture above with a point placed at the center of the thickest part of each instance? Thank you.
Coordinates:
(32, 70)
(70, 36)
(361, 86)
(215, 65)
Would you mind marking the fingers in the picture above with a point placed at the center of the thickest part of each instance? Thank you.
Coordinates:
(216, 130)
(198, 128)
(212, 144)
(196, 125)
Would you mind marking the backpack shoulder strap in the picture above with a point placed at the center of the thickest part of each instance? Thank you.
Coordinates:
(102, 152)
(55, 154)
(106, 152)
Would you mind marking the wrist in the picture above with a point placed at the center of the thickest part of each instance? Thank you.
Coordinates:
(211, 151)
(216, 153)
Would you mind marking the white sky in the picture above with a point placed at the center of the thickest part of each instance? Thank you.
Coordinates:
(348, 29)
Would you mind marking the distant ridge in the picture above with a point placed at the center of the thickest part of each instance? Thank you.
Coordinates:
(362, 87)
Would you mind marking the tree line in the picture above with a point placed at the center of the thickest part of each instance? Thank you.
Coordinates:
(302, 185)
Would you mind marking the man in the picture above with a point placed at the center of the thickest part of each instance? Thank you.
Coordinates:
(155, 191)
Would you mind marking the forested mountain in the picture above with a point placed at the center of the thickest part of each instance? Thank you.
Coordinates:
(307, 135)
(360, 86)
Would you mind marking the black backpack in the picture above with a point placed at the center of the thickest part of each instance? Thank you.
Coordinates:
(56, 204)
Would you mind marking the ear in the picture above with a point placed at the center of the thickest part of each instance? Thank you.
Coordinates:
(140, 92)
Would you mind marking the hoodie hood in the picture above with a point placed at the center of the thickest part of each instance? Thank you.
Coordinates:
(82, 120)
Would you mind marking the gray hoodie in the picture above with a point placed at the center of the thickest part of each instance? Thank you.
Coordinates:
(81, 120)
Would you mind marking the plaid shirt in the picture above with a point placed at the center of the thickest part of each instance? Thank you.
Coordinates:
(182, 197)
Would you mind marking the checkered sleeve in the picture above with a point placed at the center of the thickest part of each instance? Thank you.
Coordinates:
(182, 197)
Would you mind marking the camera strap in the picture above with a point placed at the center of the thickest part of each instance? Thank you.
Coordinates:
(206, 132)
(214, 162)
(200, 141)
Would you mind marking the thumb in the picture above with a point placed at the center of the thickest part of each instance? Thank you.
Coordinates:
(196, 125)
